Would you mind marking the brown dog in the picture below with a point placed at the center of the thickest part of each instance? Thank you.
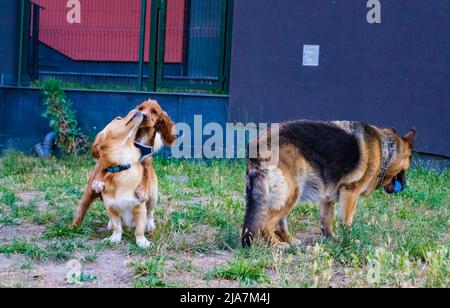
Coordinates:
(120, 159)
(323, 163)
(156, 125)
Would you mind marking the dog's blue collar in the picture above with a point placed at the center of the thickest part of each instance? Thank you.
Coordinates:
(117, 169)
(146, 152)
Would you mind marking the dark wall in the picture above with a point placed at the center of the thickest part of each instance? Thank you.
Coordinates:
(395, 74)
(22, 126)
(9, 45)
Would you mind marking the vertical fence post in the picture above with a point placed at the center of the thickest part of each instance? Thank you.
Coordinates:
(154, 34)
(228, 46)
(34, 67)
(142, 43)
(22, 30)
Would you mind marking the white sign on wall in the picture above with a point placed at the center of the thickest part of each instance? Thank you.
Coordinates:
(311, 55)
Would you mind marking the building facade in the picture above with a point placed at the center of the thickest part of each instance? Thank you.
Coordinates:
(268, 60)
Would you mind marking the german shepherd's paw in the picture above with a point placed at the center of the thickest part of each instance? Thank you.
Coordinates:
(141, 195)
(98, 186)
(150, 227)
(142, 242)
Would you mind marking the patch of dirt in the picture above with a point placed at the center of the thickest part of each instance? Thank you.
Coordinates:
(111, 270)
(203, 235)
(29, 196)
(26, 231)
(199, 266)
(310, 236)
(11, 275)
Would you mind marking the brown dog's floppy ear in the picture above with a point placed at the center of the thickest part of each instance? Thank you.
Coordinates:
(166, 128)
(96, 145)
(410, 136)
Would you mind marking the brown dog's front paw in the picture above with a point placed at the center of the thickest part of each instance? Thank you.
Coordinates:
(141, 195)
(98, 186)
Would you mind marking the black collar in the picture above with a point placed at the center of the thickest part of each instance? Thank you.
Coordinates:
(146, 152)
(388, 148)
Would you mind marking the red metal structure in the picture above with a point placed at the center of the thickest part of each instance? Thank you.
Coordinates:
(109, 30)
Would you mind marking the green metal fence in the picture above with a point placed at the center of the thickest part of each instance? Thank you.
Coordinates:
(206, 45)
(183, 45)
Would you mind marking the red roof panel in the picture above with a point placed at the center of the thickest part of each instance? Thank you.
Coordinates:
(109, 30)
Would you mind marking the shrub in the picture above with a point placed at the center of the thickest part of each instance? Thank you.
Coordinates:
(62, 118)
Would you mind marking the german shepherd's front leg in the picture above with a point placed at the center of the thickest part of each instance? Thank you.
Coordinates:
(283, 233)
(348, 200)
(269, 231)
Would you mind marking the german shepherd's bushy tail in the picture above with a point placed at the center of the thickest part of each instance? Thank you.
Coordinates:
(257, 192)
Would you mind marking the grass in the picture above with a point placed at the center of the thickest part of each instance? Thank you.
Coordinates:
(397, 240)
(149, 273)
(246, 271)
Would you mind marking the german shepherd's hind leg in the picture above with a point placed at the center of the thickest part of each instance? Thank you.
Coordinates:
(327, 218)
(116, 222)
(140, 219)
(348, 201)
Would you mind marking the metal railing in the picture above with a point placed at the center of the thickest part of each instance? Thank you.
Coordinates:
(147, 44)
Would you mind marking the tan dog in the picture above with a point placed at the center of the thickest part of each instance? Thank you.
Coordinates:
(156, 129)
(325, 163)
(120, 160)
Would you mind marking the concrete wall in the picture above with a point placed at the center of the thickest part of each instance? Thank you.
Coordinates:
(22, 126)
(395, 74)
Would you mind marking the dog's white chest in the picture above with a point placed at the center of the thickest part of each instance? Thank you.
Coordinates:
(124, 204)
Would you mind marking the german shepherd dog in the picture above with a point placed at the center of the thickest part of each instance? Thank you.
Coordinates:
(325, 163)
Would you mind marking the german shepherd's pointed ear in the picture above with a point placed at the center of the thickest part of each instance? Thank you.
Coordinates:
(410, 136)
(96, 146)
(166, 128)
(394, 130)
